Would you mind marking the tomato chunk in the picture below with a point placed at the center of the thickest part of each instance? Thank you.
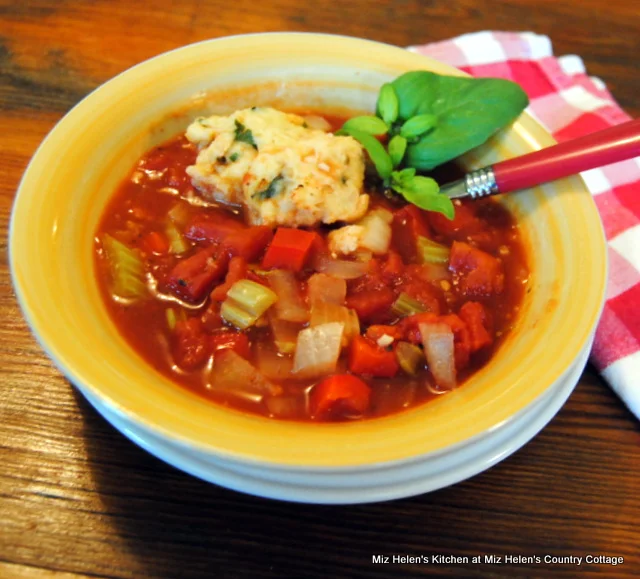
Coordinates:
(339, 396)
(369, 359)
(237, 271)
(408, 224)
(155, 242)
(249, 243)
(202, 229)
(475, 316)
(193, 277)
(228, 340)
(192, 346)
(393, 267)
(290, 249)
(479, 274)
(370, 303)
(463, 224)
(376, 332)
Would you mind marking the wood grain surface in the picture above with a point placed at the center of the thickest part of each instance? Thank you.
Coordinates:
(79, 500)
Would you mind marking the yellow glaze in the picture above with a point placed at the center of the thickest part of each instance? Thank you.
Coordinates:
(81, 162)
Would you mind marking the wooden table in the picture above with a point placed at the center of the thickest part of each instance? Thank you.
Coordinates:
(77, 499)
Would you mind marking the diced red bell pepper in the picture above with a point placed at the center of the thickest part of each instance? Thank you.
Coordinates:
(192, 278)
(155, 242)
(480, 274)
(371, 303)
(339, 396)
(248, 243)
(191, 346)
(408, 224)
(228, 340)
(289, 249)
(476, 317)
(366, 357)
(237, 271)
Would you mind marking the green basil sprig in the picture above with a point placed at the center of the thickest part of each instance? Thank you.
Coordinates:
(431, 119)
(466, 111)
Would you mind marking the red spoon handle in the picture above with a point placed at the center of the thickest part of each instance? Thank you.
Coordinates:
(602, 148)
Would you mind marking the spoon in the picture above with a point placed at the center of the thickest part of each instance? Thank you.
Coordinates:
(595, 150)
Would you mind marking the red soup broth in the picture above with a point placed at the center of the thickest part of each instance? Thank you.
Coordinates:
(476, 292)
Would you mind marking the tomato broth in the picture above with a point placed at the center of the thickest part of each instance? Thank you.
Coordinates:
(191, 253)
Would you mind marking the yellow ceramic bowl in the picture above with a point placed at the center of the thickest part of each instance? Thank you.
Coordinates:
(79, 165)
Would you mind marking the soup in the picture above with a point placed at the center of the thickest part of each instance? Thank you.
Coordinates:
(295, 307)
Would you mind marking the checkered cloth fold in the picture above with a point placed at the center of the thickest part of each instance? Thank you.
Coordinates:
(569, 103)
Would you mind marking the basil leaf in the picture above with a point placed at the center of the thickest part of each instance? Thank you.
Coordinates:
(244, 135)
(418, 125)
(397, 148)
(403, 177)
(467, 110)
(422, 192)
(376, 151)
(367, 124)
(387, 106)
(271, 190)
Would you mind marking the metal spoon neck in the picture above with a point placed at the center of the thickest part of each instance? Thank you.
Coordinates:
(476, 184)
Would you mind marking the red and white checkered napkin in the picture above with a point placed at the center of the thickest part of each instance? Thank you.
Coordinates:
(571, 104)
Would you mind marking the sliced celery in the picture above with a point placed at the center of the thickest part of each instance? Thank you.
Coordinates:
(409, 356)
(406, 306)
(177, 244)
(246, 302)
(252, 296)
(174, 317)
(234, 314)
(432, 252)
(171, 318)
(126, 267)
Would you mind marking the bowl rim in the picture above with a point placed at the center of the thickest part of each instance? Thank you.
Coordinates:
(64, 362)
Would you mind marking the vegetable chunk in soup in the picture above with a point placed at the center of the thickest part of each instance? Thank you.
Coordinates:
(252, 262)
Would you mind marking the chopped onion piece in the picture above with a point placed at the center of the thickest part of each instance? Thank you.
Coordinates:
(376, 235)
(326, 288)
(290, 305)
(437, 340)
(340, 268)
(180, 214)
(317, 350)
(233, 376)
(318, 123)
(177, 244)
(273, 365)
(325, 313)
(285, 334)
(384, 341)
